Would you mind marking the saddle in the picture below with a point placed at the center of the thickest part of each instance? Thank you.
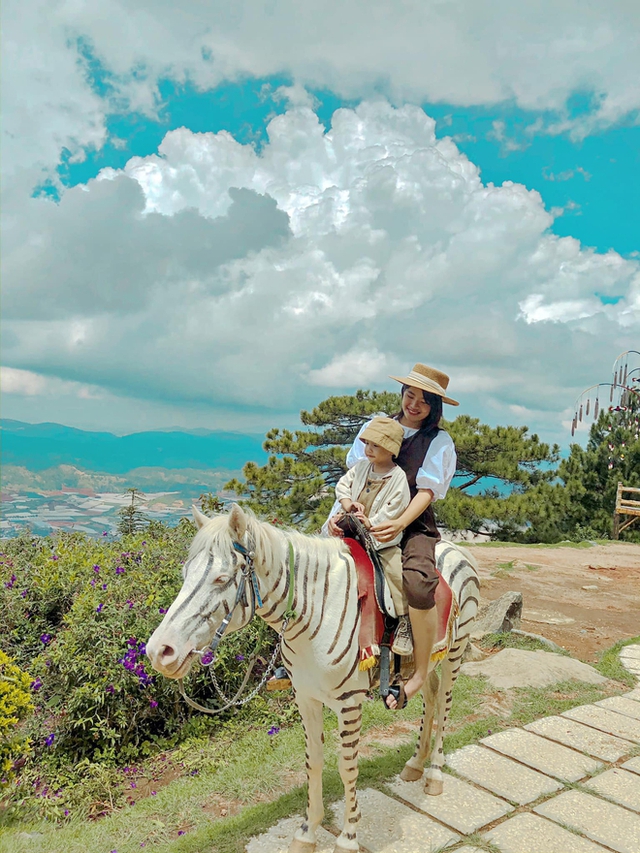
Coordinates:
(377, 615)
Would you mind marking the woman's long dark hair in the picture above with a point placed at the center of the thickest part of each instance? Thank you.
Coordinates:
(433, 418)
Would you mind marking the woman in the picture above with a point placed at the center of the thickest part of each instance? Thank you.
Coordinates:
(428, 458)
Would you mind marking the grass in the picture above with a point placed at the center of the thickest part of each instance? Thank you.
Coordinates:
(247, 766)
(508, 640)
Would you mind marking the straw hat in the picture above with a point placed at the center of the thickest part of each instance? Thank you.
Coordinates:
(428, 379)
(385, 432)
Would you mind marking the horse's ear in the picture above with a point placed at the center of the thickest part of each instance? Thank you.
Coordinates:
(199, 517)
(237, 522)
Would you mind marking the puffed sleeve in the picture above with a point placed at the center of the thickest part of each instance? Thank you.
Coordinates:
(438, 467)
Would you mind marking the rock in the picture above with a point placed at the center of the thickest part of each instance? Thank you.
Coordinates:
(500, 615)
(473, 653)
(518, 668)
(590, 586)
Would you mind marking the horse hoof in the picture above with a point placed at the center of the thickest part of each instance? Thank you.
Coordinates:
(433, 787)
(410, 774)
(341, 846)
(298, 846)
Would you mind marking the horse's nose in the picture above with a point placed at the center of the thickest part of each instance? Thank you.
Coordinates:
(162, 653)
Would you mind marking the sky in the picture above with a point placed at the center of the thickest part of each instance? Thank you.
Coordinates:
(218, 214)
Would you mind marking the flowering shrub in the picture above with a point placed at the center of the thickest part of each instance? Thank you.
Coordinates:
(15, 705)
(76, 613)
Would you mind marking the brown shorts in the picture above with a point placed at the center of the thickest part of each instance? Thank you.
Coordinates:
(419, 575)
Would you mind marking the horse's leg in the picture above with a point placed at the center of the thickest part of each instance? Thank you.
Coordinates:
(349, 721)
(434, 781)
(304, 840)
(412, 770)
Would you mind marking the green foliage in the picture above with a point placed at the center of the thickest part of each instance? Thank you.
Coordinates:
(15, 705)
(76, 613)
(132, 520)
(296, 485)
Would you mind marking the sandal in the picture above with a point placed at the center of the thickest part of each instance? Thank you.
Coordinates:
(396, 689)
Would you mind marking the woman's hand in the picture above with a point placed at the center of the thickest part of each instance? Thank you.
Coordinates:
(332, 527)
(388, 530)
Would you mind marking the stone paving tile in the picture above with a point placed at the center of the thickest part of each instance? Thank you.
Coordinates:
(570, 733)
(500, 775)
(601, 821)
(618, 785)
(528, 833)
(634, 694)
(631, 664)
(633, 764)
(606, 721)
(632, 652)
(461, 805)
(621, 706)
(278, 838)
(542, 754)
(388, 826)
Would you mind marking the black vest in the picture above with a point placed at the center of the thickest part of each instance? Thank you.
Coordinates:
(410, 459)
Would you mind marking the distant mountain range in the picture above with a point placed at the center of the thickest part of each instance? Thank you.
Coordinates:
(38, 447)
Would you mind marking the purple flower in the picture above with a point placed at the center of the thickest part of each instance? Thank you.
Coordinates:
(153, 703)
(153, 793)
(133, 785)
(36, 684)
(206, 658)
(132, 641)
(110, 688)
(93, 582)
(45, 639)
(66, 812)
(99, 608)
(130, 603)
(106, 533)
(104, 586)
(24, 593)
(273, 730)
(9, 584)
(162, 610)
(55, 557)
(181, 832)
(119, 570)
(50, 739)
(239, 657)
(96, 569)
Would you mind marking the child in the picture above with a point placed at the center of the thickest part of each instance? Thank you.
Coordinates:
(375, 490)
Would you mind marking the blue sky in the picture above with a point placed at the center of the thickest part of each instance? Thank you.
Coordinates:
(228, 280)
(594, 180)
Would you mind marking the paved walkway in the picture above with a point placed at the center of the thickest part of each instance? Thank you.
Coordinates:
(562, 784)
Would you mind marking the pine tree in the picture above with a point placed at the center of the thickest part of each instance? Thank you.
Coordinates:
(296, 486)
(132, 519)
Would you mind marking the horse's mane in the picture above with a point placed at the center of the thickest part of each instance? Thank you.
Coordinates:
(270, 541)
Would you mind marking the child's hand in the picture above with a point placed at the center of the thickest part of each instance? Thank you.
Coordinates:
(363, 519)
(332, 527)
(356, 508)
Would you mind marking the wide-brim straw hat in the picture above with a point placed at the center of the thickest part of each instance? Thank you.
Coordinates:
(428, 379)
(384, 432)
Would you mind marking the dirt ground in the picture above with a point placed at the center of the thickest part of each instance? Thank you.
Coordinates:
(584, 599)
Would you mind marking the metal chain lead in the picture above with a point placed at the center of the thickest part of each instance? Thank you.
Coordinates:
(263, 680)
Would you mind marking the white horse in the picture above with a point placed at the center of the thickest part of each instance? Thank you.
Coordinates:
(316, 578)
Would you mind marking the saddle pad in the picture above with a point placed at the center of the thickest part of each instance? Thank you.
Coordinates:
(371, 619)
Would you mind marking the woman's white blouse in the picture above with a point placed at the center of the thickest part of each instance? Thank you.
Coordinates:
(437, 469)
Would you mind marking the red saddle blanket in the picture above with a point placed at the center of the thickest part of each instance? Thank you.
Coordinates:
(372, 619)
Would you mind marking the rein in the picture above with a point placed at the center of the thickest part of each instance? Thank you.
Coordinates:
(208, 655)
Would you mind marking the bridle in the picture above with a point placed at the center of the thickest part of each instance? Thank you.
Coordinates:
(249, 590)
